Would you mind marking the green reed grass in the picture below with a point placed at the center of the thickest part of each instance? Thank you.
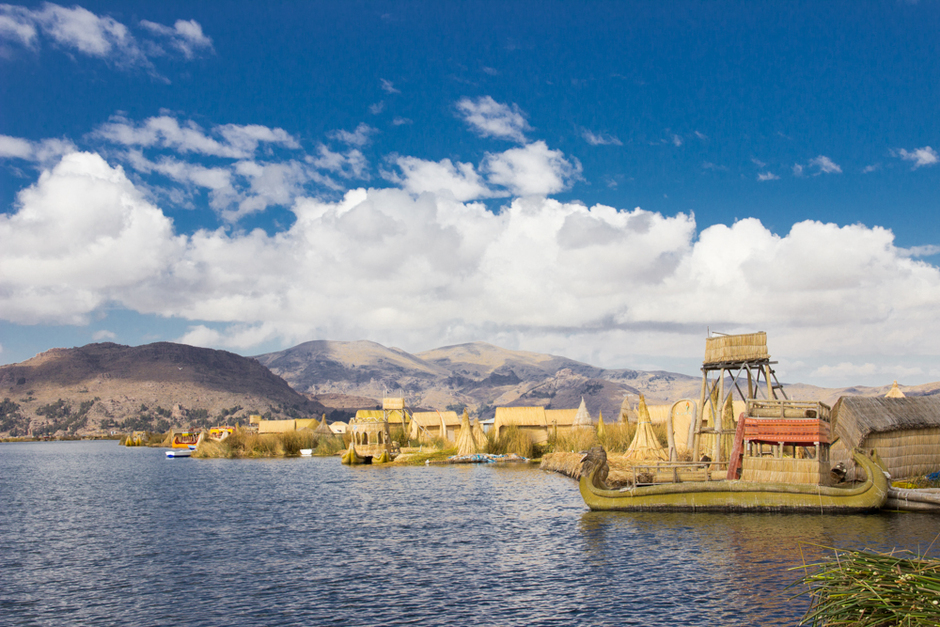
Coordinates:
(511, 440)
(868, 589)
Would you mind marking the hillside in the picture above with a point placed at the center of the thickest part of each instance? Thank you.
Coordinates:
(107, 386)
(477, 375)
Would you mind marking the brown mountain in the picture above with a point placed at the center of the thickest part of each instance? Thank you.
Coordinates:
(155, 386)
(476, 375)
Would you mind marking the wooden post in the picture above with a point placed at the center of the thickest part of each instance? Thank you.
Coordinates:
(718, 417)
(699, 415)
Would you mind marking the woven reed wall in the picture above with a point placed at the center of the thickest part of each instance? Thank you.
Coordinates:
(908, 453)
(276, 426)
(785, 470)
(746, 347)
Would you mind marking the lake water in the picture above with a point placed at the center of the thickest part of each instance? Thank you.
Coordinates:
(92, 533)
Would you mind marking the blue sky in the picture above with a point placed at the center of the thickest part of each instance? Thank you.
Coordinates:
(607, 181)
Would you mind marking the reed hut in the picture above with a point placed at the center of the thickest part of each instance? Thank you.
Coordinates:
(429, 425)
(339, 427)
(323, 429)
(531, 420)
(904, 431)
(560, 420)
(645, 444)
(582, 419)
(276, 426)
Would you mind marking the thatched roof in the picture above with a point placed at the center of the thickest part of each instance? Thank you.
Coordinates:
(378, 415)
(855, 417)
(323, 428)
(736, 348)
(583, 418)
(434, 418)
(895, 391)
(645, 444)
(561, 417)
(520, 416)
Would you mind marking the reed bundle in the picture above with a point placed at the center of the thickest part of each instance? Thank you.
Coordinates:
(868, 589)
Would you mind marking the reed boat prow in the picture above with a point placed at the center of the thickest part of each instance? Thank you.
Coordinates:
(732, 495)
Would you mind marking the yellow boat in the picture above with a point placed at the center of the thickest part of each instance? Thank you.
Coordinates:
(731, 495)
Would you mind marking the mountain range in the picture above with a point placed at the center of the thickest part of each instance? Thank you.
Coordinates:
(101, 387)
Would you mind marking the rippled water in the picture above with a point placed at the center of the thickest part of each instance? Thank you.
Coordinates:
(92, 533)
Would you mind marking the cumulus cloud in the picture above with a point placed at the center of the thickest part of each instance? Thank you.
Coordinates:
(493, 119)
(461, 180)
(767, 176)
(581, 281)
(100, 36)
(531, 169)
(81, 236)
(920, 157)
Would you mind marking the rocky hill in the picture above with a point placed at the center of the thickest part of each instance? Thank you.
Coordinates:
(102, 387)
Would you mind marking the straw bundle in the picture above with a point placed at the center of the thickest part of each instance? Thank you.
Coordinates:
(466, 445)
(479, 437)
(568, 464)
(736, 348)
(645, 444)
(582, 419)
(601, 432)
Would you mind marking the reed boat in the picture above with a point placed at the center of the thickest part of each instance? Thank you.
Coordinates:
(732, 494)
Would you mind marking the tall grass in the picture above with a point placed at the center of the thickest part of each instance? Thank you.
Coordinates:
(250, 444)
(512, 440)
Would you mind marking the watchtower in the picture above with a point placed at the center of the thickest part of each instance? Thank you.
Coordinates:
(740, 358)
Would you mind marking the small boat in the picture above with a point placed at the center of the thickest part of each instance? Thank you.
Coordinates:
(731, 494)
(306, 452)
(179, 453)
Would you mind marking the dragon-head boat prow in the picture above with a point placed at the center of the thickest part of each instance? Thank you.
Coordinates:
(594, 467)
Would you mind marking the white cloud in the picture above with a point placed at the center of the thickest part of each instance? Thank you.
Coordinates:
(359, 137)
(602, 139)
(401, 121)
(185, 36)
(767, 176)
(100, 36)
(44, 152)
(871, 168)
(920, 156)
(531, 169)
(82, 235)
(377, 107)
(388, 87)
(492, 119)
(17, 24)
(594, 283)
(825, 165)
(676, 140)
(460, 180)
(235, 141)
(797, 169)
(103, 335)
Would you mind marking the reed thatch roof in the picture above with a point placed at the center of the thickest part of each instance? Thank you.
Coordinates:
(436, 418)
(561, 417)
(855, 417)
(520, 416)
(736, 348)
(645, 444)
(323, 428)
(895, 391)
(583, 419)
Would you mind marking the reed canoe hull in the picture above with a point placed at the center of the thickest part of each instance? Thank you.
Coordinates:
(736, 495)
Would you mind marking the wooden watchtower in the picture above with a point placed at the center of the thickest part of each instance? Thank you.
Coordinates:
(745, 361)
